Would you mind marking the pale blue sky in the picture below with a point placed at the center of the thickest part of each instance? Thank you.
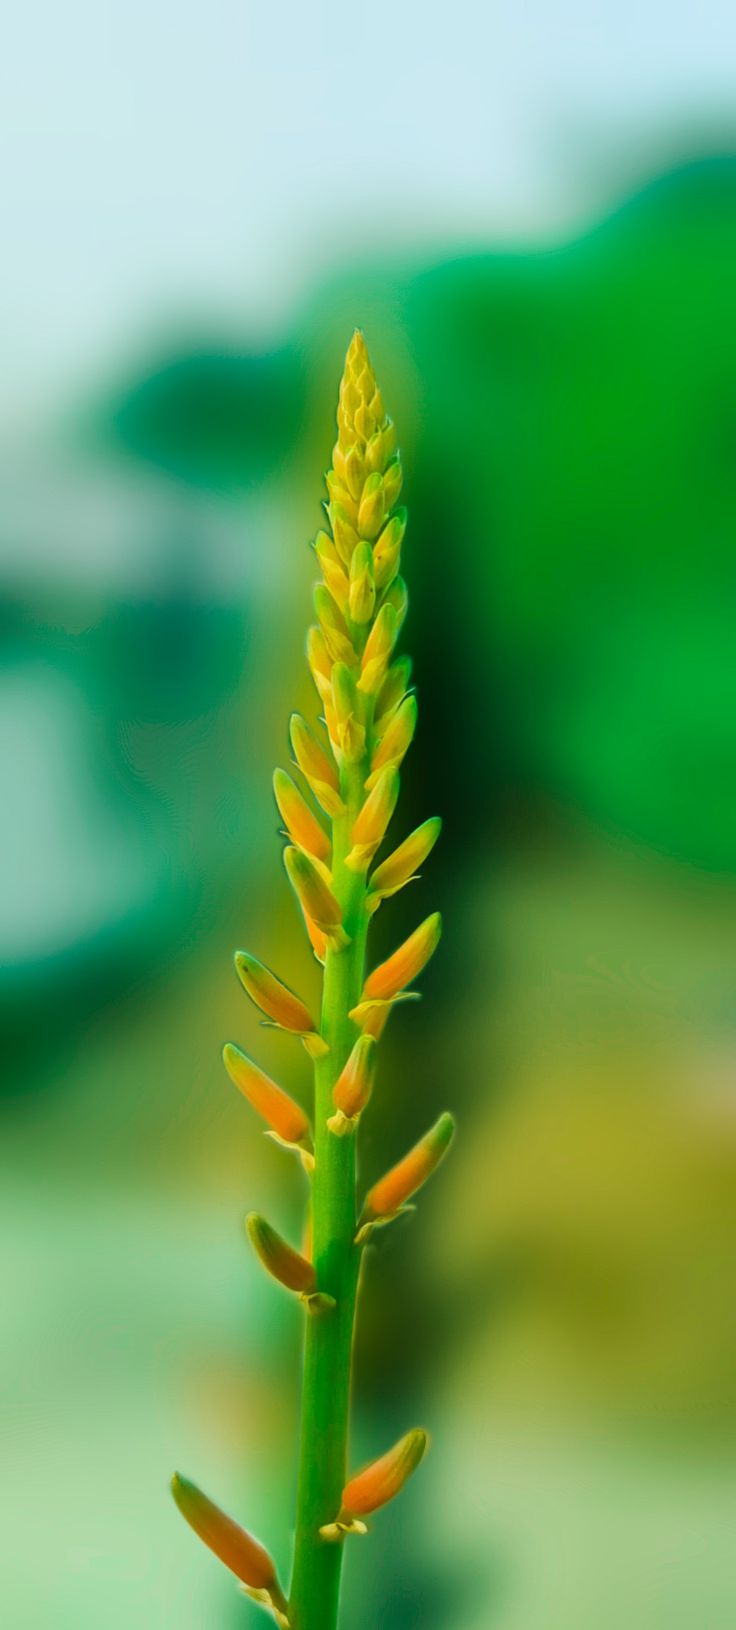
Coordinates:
(164, 158)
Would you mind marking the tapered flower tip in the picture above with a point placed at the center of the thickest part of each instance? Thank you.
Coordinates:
(285, 1117)
(300, 822)
(393, 975)
(232, 1544)
(403, 865)
(314, 893)
(384, 1478)
(272, 997)
(390, 1193)
(281, 1260)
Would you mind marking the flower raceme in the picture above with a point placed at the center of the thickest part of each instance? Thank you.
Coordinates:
(335, 812)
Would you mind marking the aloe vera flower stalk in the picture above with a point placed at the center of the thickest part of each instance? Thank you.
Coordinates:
(336, 822)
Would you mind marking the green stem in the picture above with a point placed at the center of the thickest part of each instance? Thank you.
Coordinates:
(315, 1585)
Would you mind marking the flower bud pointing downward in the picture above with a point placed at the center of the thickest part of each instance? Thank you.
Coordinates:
(370, 825)
(239, 1551)
(279, 1004)
(377, 1484)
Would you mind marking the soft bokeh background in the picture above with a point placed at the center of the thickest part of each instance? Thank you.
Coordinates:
(532, 213)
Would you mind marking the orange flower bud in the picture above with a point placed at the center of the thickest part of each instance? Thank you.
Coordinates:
(239, 1551)
(285, 1117)
(318, 769)
(396, 739)
(354, 1085)
(369, 828)
(390, 1193)
(315, 895)
(317, 939)
(301, 825)
(384, 1478)
(281, 1260)
(391, 976)
(378, 648)
(279, 1004)
(401, 867)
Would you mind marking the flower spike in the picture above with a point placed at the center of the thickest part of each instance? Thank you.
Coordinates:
(242, 1554)
(285, 1010)
(377, 1484)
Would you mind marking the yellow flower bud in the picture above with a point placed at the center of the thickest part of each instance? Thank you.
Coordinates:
(369, 829)
(354, 1085)
(392, 692)
(301, 825)
(239, 1551)
(354, 472)
(362, 584)
(392, 482)
(372, 506)
(280, 1005)
(349, 730)
(402, 866)
(318, 770)
(375, 456)
(398, 597)
(396, 739)
(377, 653)
(319, 659)
(387, 549)
(285, 1117)
(344, 533)
(334, 627)
(315, 895)
(333, 570)
(390, 1194)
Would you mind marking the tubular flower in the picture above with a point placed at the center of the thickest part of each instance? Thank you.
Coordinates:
(349, 734)
(318, 770)
(285, 1010)
(377, 1484)
(390, 1194)
(285, 1118)
(353, 1086)
(285, 1264)
(239, 1551)
(370, 827)
(388, 982)
(396, 740)
(401, 867)
(378, 648)
(315, 895)
(392, 692)
(301, 824)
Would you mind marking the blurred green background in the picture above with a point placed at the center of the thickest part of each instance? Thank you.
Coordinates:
(561, 362)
